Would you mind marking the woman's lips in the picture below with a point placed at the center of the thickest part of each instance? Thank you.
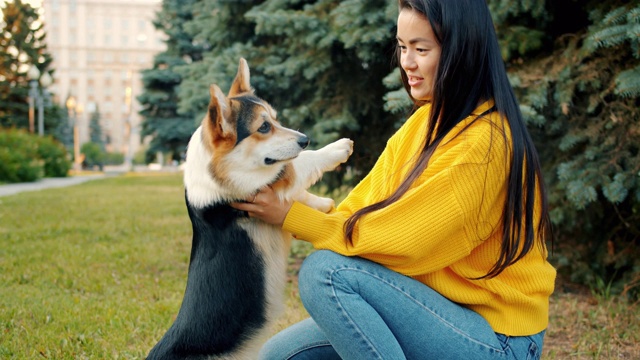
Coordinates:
(415, 81)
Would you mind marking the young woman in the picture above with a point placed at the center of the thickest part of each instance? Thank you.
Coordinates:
(439, 252)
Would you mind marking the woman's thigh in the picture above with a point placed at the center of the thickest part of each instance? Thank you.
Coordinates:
(368, 311)
(374, 312)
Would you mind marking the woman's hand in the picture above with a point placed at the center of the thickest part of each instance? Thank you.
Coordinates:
(265, 206)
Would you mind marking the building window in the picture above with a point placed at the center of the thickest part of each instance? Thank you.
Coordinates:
(141, 38)
(72, 59)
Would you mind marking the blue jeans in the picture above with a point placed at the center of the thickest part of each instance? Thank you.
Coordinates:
(362, 310)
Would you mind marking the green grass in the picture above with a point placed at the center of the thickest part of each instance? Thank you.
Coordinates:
(97, 271)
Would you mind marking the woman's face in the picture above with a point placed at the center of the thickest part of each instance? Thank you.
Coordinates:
(419, 52)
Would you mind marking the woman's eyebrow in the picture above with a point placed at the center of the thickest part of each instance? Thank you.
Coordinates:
(415, 40)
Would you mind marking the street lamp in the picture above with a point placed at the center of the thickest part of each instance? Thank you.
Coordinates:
(38, 97)
(72, 108)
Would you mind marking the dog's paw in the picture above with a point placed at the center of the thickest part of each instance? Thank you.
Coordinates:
(323, 204)
(314, 201)
(339, 151)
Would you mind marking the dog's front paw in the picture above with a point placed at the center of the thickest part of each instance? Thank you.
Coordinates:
(323, 204)
(317, 202)
(339, 151)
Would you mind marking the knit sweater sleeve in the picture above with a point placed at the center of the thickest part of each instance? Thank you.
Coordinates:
(449, 210)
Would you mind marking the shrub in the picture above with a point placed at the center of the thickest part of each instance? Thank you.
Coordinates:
(19, 160)
(93, 155)
(54, 155)
(113, 158)
(26, 157)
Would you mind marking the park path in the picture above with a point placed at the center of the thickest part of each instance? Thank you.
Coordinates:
(10, 189)
(109, 171)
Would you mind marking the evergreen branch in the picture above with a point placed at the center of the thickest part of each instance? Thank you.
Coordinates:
(607, 37)
(627, 83)
(616, 16)
(633, 16)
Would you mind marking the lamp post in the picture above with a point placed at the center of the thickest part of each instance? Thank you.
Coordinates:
(37, 97)
(71, 108)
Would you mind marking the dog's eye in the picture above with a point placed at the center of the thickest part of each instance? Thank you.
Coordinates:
(264, 128)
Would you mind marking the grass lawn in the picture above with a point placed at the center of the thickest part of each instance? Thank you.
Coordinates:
(97, 271)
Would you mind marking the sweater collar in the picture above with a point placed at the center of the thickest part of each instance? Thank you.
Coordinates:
(483, 108)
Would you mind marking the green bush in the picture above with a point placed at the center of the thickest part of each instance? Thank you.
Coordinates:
(19, 160)
(93, 155)
(141, 157)
(54, 155)
(25, 157)
(113, 158)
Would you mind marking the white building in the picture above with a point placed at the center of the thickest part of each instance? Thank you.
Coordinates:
(99, 48)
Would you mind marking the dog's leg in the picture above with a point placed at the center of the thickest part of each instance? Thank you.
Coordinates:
(311, 164)
(317, 202)
(309, 167)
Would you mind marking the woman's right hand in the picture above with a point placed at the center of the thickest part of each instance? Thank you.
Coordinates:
(265, 206)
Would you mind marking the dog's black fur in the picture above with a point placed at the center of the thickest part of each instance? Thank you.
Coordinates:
(219, 245)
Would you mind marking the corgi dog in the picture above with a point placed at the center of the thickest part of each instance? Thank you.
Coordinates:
(237, 269)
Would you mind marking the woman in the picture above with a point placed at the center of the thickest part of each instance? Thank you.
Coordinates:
(439, 252)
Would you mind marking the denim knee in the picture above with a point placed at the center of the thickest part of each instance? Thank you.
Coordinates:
(315, 272)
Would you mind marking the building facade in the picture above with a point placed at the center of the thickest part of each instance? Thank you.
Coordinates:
(99, 48)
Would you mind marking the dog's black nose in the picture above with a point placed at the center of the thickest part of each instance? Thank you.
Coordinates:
(303, 141)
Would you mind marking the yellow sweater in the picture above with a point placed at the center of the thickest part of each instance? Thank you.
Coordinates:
(446, 229)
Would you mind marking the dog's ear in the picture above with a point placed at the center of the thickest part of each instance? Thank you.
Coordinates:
(219, 111)
(241, 82)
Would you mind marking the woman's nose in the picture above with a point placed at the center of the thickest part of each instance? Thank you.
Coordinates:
(407, 62)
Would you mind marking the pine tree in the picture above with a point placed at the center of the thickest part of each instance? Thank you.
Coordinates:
(62, 129)
(320, 63)
(326, 67)
(580, 92)
(22, 44)
(168, 128)
(96, 134)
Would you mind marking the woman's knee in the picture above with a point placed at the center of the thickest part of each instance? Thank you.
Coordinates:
(315, 273)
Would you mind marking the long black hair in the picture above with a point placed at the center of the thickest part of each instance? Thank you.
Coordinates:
(471, 71)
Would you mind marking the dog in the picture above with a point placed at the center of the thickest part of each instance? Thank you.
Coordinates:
(237, 269)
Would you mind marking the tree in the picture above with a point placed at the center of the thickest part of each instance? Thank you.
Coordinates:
(62, 129)
(319, 63)
(325, 66)
(96, 135)
(578, 80)
(168, 128)
(22, 44)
